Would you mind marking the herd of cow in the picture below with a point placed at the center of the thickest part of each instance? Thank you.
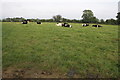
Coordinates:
(92, 25)
(26, 22)
(63, 24)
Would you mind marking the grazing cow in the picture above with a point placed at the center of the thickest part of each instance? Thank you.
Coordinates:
(59, 24)
(25, 22)
(85, 24)
(38, 22)
(96, 25)
(66, 25)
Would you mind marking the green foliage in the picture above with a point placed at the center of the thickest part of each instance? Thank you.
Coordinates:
(88, 17)
(102, 21)
(118, 18)
(13, 19)
(32, 20)
(111, 21)
(47, 47)
(57, 18)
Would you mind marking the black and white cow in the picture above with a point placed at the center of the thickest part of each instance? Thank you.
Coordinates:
(38, 22)
(85, 24)
(64, 24)
(25, 22)
(59, 24)
(96, 25)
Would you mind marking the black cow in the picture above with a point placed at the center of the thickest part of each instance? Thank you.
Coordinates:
(39, 22)
(25, 22)
(66, 25)
(96, 25)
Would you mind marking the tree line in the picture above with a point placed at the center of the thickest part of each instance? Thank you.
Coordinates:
(87, 17)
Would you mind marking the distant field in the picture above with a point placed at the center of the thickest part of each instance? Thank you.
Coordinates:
(46, 50)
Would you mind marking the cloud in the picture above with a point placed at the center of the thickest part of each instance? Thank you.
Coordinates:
(67, 8)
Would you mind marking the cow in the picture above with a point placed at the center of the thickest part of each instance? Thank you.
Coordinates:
(66, 25)
(63, 24)
(85, 24)
(25, 22)
(59, 24)
(96, 25)
(38, 22)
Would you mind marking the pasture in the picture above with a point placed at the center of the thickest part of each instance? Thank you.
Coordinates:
(49, 51)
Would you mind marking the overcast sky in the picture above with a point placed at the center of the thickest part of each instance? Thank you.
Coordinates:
(71, 9)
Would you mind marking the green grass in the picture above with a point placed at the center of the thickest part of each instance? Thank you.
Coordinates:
(48, 47)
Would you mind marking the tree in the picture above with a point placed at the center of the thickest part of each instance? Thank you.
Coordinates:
(88, 17)
(8, 20)
(49, 20)
(13, 19)
(57, 18)
(118, 18)
(64, 20)
(111, 21)
(94, 20)
(102, 21)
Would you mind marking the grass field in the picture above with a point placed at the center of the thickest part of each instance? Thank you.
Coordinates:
(46, 50)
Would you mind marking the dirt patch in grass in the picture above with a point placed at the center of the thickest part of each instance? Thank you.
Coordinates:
(33, 73)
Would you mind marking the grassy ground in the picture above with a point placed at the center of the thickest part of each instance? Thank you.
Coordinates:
(52, 51)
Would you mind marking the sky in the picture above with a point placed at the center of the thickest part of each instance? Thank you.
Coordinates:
(46, 9)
